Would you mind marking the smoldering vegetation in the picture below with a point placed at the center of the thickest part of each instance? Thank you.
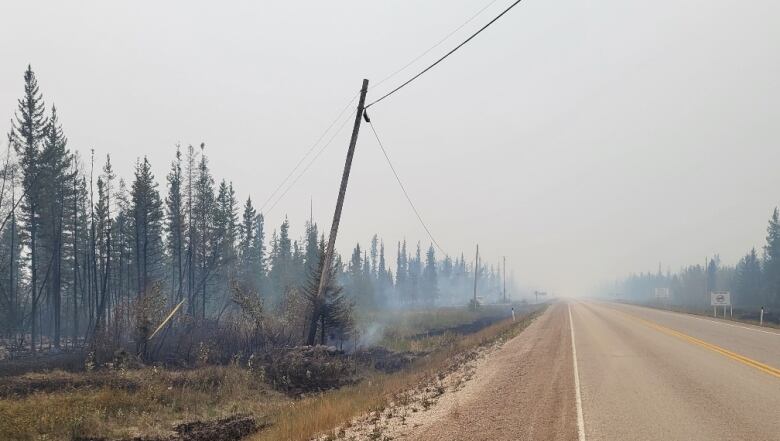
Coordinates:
(121, 299)
(172, 271)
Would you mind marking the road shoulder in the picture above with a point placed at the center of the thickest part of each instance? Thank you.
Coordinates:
(520, 389)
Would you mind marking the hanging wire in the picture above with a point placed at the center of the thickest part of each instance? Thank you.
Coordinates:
(445, 55)
(403, 188)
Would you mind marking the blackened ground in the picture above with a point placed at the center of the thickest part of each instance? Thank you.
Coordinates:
(232, 428)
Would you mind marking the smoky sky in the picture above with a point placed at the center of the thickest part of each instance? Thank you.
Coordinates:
(582, 140)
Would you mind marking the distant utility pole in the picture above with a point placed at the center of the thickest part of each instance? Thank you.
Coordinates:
(334, 229)
(505, 300)
(476, 275)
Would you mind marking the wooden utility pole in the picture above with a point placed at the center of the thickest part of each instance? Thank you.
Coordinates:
(505, 299)
(476, 275)
(317, 310)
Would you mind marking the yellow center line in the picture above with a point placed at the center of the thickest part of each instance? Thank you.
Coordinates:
(775, 372)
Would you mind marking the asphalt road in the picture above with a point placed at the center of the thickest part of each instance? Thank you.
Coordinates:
(646, 374)
(587, 370)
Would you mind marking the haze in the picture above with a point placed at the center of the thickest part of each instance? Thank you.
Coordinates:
(581, 140)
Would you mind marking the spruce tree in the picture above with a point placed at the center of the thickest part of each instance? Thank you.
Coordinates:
(205, 250)
(147, 227)
(430, 285)
(258, 246)
(374, 256)
(27, 134)
(331, 312)
(312, 256)
(748, 280)
(772, 260)
(175, 226)
(401, 273)
(383, 282)
(248, 258)
(52, 176)
(281, 261)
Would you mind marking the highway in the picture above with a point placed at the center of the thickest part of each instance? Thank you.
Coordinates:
(647, 374)
(589, 370)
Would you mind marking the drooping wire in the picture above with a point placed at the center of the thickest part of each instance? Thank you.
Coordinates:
(306, 155)
(439, 43)
(445, 55)
(305, 169)
(403, 188)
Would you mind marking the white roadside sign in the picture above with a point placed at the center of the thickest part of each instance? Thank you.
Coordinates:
(662, 293)
(720, 298)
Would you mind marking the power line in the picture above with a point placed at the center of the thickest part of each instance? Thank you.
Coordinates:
(406, 194)
(427, 51)
(445, 55)
(284, 181)
(305, 169)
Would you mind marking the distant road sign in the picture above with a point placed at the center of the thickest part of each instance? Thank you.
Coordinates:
(720, 298)
(662, 293)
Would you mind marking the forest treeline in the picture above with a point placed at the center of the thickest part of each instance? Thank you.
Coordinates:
(753, 282)
(84, 252)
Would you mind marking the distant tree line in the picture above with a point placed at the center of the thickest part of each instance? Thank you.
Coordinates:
(82, 251)
(753, 282)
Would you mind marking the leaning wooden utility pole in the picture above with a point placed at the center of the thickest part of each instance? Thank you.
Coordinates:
(334, 229)
(476, 274)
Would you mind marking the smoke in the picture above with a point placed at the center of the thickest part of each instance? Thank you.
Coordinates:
(370, 334)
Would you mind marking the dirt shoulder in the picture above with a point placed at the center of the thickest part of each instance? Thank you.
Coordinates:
(521, 389)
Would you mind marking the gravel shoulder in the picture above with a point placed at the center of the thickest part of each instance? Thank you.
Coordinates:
(520, 389)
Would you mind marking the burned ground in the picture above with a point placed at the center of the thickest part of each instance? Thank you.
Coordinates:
(232, 428)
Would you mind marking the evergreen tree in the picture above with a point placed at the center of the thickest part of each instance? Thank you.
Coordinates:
(27, 134)
(192, 235)
(122, 247)
(333, 311)
(147, 227)
(248, 258)
(374, 256)
(384, 280)
(748, 280)
(258, 246)
(430, 285)
(205, 250)
(355, 268)
(224, 239)
(312, 256)
(175, 226)
(401, 273)
(772, 260)
(281, 261)
(52, 176)
(415, 273)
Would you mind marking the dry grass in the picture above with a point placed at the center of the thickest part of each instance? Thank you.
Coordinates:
(161, 400)
(309, 417)
(150, 402)
(401, 325)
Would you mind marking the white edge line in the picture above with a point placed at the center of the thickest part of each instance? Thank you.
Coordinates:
(580, 419)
